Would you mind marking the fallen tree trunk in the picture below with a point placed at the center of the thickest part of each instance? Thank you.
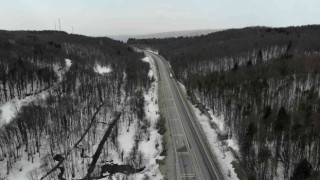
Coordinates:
(76, 144)
(100, 147)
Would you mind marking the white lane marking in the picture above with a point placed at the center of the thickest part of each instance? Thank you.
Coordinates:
(196, 130)
(178, 115)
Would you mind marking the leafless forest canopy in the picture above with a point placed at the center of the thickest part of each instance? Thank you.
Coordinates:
(82, 110)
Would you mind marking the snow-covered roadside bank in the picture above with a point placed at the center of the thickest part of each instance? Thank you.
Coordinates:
(221, 149)
(152, 148)
(148, 49)
(153, 50)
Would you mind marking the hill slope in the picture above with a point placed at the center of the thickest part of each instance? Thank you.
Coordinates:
(74, 107)
(263, 85)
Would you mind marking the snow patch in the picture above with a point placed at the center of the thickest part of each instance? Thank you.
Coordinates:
(68, 63)
(146, 59)
(126, 139)
(151, 148)
(26, 167)
(218, 120)
(11, 108)
(102, 69)
(231, 143)
(7, 112)
(150, 74)
(152, 50)
(151, 71)
(60, 71)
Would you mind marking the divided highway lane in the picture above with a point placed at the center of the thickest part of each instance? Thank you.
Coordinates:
(193, 156)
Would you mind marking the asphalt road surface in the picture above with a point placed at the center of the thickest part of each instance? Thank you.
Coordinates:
(193, 157)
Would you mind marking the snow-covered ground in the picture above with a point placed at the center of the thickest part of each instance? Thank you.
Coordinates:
(220, 148)
(11, 108)
(150, 146)
(102, 69)
(21, 170)
(7, 112)
(60, 71)
(68, 63)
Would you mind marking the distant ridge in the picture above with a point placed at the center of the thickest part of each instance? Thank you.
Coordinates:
(173, 34)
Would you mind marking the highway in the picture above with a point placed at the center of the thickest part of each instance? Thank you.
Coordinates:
(193, 156)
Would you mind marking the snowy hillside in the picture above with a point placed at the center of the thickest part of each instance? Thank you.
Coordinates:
(92, 114)
(262, 84)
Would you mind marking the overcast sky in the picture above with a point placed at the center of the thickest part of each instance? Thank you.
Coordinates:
(111, 17)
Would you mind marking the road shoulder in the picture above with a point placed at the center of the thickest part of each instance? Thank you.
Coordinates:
(167, 165)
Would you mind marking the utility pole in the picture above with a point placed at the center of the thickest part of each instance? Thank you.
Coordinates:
(59, 24)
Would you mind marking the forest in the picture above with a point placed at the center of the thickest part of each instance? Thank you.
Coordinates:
(69, 120)
(265, 83)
